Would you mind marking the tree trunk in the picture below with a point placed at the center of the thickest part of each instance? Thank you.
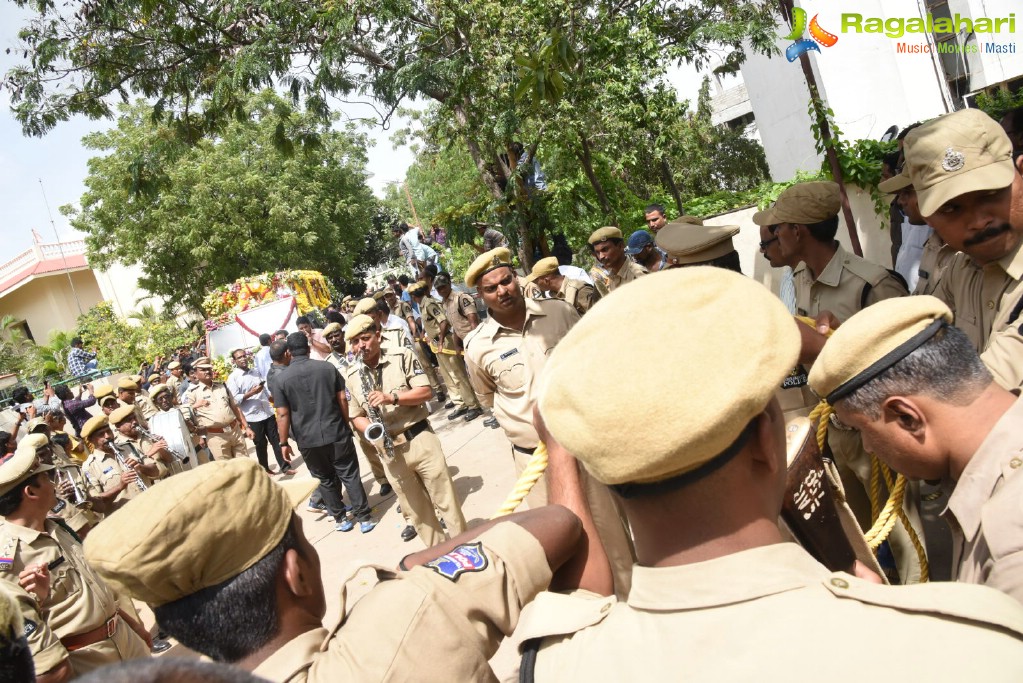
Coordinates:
(586, 159)
(672, 187)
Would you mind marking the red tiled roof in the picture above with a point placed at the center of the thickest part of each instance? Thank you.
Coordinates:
(69, 262)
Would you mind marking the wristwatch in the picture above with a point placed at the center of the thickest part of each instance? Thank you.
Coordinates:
(394, 395)
(283, 444)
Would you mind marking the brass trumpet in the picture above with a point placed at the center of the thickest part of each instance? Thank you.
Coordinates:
(124, 464)
(78, 497)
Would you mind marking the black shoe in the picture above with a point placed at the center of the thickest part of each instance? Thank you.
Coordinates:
(441, 397)
(458, 413)
(408, 533)
(490, 422)
(449, 405)
(473, 414)
(386, 489)
(160, 645)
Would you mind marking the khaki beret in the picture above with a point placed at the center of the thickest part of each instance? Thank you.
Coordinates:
(196, 529)
(545, 266)
(331, 328)
(966, 151)
(136, 378)
(606, 233)
(121, 414)
(874, 340)
(173, 365)
(12, 624)
(127, 383)
(634, 435)
(157, 389)
(688, 243)
(348, 297)
(31, 425)
(379, 294)
(23, 464)
(102, 391)
(94, 424)
(358, 325)
(368, 304)
(202, 362)
(487, 261)
(803, 204)
(153, 378)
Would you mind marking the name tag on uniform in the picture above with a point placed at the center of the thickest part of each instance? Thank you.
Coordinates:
(923, 274)
(509, 354)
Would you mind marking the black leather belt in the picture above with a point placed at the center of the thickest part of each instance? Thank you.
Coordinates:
(527, 451)
(416, 429)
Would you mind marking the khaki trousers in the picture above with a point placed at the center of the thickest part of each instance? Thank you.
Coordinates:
(227, 445)
(460, 390)
(369, 452)
(420, 476)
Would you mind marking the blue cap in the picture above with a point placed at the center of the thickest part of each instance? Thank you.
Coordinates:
(637, 241)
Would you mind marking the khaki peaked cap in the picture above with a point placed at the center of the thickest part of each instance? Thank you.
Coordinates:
(127, 383)
(94, 424)
(102, 391)
(417, 288)
(966, 151)
(157, 389)
(634, 435)
(194, 530)
(689, 243)
(121, 414)
(545, 266)
(874, 340)
(608, 232)
(486, 262)
(331, 329)
(366, 305)
(803, 204)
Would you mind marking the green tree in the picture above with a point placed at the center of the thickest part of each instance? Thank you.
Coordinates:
(276, 190)
(18, 355)
(498, 71)
(121, 344)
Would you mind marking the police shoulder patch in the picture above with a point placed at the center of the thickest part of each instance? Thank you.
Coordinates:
(466, 558)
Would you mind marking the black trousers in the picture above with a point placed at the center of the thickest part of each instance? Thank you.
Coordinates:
(263, 432)
(334, 462)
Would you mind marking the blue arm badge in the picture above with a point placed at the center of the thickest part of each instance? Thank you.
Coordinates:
(466, 558)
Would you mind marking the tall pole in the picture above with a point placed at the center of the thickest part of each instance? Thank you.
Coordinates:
(826, 139)
(412, 206)
(60, 248)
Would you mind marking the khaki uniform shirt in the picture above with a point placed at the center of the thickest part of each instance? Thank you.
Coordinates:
(626, 274)
(338, 361)
(503, 364)
(140, 445)
(796, 621)
(104, 472)
(846, 285)
(398, 370)
(984, 510)
(935, 259)
(395, 338)
(427, 624)
(79, 599)
(580, 295)
(219, 411)
(146, 405)
(433, 315)
(140, 417)
(457, 307)
(403, 310)
(174, 383)
(984, 301)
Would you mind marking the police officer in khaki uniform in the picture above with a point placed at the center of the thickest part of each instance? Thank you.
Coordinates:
(608, 247)
(970, 190)
(829, 279)
(505, 356)
(577, 294)
(439, 617)
(174, 373)
(72, 620)
(221, 423)
(936, 255)
(403, 310)
(130, 442)
(702, 478)
(418, 469)
(438, 330)
(117, 482)
(918, 392)
(129, 394)
(339, 359)
(70, 482)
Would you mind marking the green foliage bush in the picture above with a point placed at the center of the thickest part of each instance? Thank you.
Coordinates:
(123, 345)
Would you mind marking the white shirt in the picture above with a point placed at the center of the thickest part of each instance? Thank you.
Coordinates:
(394, 321)
(907, 261)
(575, 273)
(256, 408)
(261, 361)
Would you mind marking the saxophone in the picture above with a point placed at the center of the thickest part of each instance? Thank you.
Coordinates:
(375, 433)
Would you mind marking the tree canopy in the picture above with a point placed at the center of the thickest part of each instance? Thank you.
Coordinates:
(276, 189)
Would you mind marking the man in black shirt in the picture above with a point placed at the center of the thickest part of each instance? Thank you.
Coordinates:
(309, 396)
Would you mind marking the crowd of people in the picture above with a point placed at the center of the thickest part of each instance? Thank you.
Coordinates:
(656, 530)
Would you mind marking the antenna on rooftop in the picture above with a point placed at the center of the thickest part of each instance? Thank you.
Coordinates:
(60, 248)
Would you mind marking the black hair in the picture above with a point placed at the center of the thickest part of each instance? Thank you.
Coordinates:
(905, 131)
(234, 618)
(77, 341)
(21, 395)
(335, 317)
(825, 230)
(16, 663)
(403, 280)
(10, 501)
(62, 392)
(5, 438)
(278, 349)
(383, 307)
(264, 339)
(650, 208)
(431, 270)
(298, 344)
(278, 333)
(62, 440)
(729, 261)
(302, 320)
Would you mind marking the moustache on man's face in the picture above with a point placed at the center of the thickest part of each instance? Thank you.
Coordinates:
(986, 234)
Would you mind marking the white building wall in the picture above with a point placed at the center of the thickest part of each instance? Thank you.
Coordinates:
(986, 68)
